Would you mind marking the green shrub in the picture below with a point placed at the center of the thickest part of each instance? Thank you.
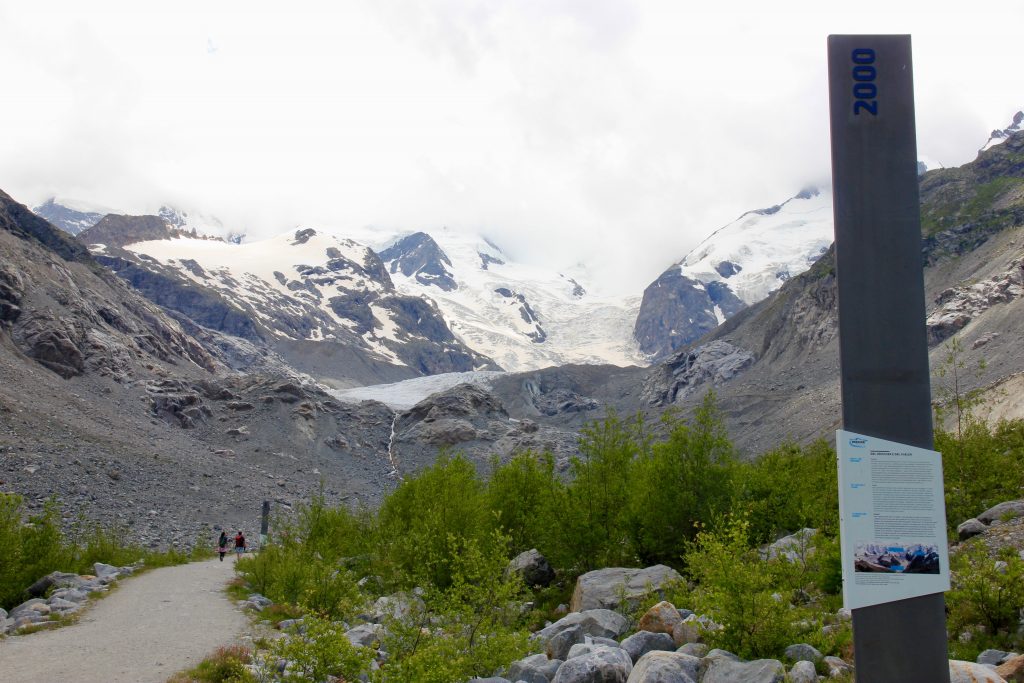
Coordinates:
(525, 497)
(417, 519)
(319, 651)
(740, 592)
(790, 488)
(679, 482)
(468, 628)
(985, 600)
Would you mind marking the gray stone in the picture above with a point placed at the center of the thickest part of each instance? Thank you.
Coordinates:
(698, 650)
(837, 666)
(580, 649)
(969, 529)
(26, 607)
(260, 600)
(533, 567)
(3, 614)
(491, 679)
(970, 672)
(803, 651)
(559, 644)
(665, 667)
(994, 657)
(55, 580)
(642, 642)
(725, 670)
(722, 654)
(803, 672)
(602, 665)
(101, 570)
(1006, 510)
(62, 605)
(365, 635)
(596, 622)
(395, 606)
(793, 547)
(534, 669)
(687, 631)
(609, 588)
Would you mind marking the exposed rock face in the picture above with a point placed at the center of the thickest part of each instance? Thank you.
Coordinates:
(116, 231)
(677, 310)
(696, 370)
(419, 256)
(957, 306)
(534, 329)
(81, 319)
(67, 219)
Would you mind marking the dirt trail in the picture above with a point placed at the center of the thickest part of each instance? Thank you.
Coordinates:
(149, 628)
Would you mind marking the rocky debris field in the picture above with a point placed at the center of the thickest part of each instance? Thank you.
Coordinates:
(595, 641)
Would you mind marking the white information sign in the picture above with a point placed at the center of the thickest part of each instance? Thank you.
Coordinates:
(892, 520)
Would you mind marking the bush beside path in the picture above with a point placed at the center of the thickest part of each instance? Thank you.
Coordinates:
(152, 626)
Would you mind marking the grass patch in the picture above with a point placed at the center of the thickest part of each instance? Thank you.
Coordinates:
(226, 665)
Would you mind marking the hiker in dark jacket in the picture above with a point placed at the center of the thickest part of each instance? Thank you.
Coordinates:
(239, 543)
(222, 545)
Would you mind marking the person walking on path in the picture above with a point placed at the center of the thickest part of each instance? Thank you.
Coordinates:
(239, 543)
(222, 545)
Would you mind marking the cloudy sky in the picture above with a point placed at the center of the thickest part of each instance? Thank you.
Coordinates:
(616, 133)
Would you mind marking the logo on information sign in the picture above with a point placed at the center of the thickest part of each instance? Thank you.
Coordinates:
(858, 442)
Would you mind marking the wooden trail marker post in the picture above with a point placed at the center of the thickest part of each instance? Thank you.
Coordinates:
(884, 369)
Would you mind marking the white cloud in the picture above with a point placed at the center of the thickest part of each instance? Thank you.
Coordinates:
(618, 133)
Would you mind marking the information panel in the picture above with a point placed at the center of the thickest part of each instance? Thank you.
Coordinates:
(892, 521)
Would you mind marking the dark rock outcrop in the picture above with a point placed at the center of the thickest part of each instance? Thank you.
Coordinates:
(676, 310)
(419, 256)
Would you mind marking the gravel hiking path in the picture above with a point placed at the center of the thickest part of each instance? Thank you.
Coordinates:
(150, 627)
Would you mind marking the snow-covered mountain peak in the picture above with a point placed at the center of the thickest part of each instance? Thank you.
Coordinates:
(200, 223)
(762, 249)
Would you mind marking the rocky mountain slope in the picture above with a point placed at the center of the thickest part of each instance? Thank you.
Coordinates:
(71, 216)
(777, 377)
(304, 294)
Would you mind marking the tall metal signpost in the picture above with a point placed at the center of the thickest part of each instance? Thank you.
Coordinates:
(883, 348)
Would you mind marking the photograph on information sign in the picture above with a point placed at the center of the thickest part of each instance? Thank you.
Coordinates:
(907, 558)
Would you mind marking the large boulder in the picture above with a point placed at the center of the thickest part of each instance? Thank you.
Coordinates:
(803, 651)
(793, 547)
(725, 670)
(803, 672)
(642, 642)
(1012, 670)
(559, 645)
(609, 588)
(1007, 510)
(971, 672)
(661, 618)
(601, 665)
(533, 567)
(665, 667)
(969, 529)
(534, 669)
(600, 623)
